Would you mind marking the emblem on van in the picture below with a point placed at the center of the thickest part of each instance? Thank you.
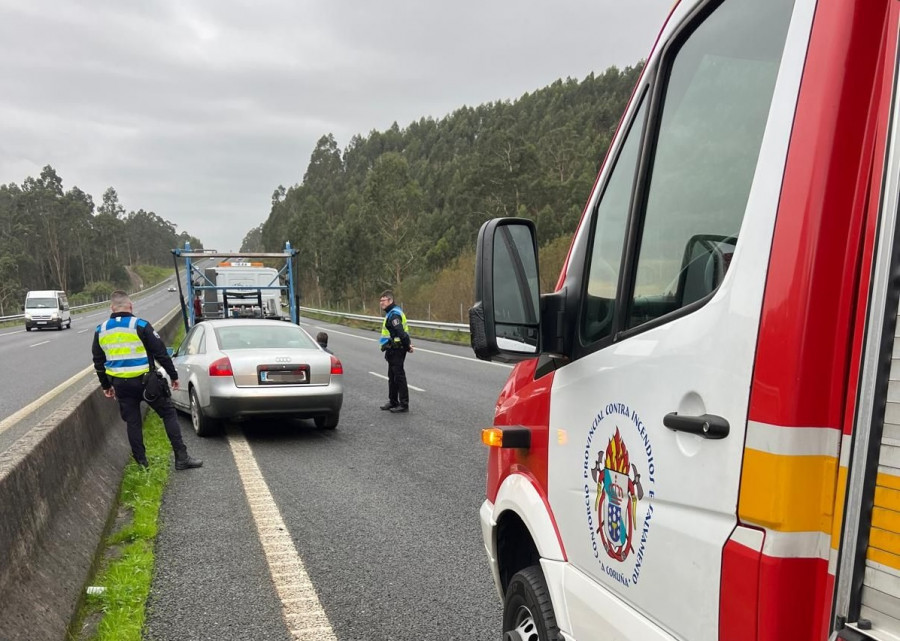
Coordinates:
(618, 491)
(618, 511)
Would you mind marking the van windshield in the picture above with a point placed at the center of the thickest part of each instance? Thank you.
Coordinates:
(41, 303)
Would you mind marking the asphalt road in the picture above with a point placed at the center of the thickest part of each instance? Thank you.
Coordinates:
(383, 512)
(37, 362)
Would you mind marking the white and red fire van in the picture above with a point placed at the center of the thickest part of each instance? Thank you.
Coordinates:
(701, 438)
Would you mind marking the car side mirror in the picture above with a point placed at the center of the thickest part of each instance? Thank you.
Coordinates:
(505, 322)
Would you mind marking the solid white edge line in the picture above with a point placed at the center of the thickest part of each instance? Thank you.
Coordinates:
(300, 607)
(15, 417)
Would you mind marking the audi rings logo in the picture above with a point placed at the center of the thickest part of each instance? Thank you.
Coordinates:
(282, 359)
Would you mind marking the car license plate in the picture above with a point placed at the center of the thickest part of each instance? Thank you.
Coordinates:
(283, 374)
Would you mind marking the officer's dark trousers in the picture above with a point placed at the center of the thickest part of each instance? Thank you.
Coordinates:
(398, 392)
(129, 393)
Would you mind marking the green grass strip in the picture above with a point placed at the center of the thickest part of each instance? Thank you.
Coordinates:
(126, 570)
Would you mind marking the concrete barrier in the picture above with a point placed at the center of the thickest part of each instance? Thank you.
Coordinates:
(58, 488)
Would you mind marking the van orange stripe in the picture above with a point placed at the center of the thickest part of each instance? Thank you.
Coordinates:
(884, 558)
(788, 493)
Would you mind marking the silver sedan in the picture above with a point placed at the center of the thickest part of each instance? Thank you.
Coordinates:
(244, 368)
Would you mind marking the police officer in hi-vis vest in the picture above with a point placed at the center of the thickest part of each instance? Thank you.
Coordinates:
(124, 346)
(395, 343)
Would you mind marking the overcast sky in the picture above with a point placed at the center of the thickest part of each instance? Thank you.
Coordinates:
(198, 109)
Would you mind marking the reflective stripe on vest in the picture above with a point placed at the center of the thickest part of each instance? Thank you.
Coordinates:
(126, 356)
(385, 334)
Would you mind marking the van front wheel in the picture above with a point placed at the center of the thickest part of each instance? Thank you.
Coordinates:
(527, 610)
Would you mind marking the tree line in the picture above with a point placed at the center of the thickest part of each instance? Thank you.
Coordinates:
(401, 208)
(51, 238)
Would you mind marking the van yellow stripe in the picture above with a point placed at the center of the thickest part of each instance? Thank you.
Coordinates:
(840, 492)
(889, 481)
(885, 541)
(788, 493)
(887, 498)
(884, 558)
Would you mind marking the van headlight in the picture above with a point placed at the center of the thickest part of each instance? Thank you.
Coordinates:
(54, 315)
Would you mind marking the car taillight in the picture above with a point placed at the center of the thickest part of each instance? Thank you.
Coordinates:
(336, 367)
(221, 367)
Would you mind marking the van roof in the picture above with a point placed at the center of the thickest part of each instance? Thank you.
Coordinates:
(44, 292)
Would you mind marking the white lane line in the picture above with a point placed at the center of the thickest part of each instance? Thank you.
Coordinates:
(418, 389)
(300, 606)
(15, 417)
(417, 349)
(85, 330)
(12, 419)
(41, 343)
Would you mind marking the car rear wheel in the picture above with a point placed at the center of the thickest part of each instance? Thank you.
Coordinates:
(203, 425)
(527, 609)
(328, 422)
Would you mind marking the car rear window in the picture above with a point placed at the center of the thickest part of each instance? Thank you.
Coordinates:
(263, 337)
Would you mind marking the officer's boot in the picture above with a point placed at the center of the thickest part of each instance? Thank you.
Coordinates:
(184, 461)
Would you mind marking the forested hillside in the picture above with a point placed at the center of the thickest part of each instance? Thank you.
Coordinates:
(402, 208)
(56, 239)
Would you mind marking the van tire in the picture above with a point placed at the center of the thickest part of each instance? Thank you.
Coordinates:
(69, 324)
(327, 422)
(527, 608)
(203, 425)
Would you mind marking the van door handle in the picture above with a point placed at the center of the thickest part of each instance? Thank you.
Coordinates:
(705, 425)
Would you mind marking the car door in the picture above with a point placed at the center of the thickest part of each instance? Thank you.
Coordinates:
(185, 361)
(648, 419)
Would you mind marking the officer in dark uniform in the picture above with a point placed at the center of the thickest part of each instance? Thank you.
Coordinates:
(395, 343)
(123, 348)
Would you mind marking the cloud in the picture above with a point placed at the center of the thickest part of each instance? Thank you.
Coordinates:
(198, 109)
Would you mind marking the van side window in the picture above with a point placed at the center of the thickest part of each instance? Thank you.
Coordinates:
(718, 91)
(608, 238)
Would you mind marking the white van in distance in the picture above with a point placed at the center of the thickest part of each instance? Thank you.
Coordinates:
(47, 308)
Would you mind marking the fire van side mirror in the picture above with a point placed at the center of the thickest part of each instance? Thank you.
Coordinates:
(505, 321)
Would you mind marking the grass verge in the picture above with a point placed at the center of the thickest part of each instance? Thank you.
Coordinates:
(126, 565)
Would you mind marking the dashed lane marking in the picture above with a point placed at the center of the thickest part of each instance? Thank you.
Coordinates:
(418, 389)
(14, 418)
(41, 343)
(417, 349)
(300, 606)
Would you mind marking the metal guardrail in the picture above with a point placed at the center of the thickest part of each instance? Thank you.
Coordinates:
(14, 317)
(71, 309)
(447, 327)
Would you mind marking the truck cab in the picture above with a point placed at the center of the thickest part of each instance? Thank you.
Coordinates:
(699, 439)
